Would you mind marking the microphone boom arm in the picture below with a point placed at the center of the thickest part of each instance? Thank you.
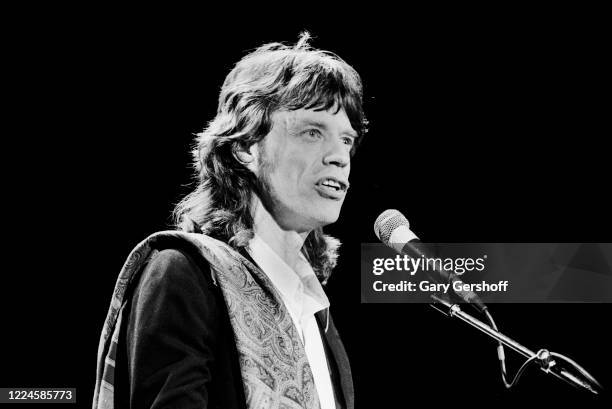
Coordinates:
(545, 358)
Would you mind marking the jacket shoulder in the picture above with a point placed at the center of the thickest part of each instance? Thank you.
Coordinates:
(176, 266)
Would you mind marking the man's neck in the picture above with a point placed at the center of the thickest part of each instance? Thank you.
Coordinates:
(287, 244)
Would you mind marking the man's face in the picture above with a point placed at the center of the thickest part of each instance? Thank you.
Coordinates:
(304, 165)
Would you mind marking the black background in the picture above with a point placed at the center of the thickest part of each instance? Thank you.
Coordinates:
(482, 130)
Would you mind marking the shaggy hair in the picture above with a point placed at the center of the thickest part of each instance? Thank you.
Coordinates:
(271, 78)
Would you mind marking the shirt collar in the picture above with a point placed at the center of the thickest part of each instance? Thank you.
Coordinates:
(299, 288)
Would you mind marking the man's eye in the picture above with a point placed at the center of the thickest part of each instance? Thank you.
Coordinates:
(313, 133)
(348, 141)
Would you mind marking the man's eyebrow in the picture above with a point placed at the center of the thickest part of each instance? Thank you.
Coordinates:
(322, 125)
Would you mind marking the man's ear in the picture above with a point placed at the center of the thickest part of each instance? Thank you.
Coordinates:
(248, 156)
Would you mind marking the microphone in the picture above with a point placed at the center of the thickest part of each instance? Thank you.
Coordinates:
(393, 230)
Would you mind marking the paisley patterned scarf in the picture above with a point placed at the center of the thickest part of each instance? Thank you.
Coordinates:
(274, 367)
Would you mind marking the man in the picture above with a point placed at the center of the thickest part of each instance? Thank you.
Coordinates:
(229, 312)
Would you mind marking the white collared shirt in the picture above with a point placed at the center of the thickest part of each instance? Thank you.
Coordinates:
(303, 296)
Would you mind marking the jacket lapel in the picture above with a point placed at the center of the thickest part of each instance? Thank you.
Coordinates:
(337, 361)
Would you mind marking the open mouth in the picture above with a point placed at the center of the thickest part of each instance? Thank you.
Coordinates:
(332, 187)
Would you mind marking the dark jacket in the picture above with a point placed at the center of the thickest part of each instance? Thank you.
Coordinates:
(177, 347)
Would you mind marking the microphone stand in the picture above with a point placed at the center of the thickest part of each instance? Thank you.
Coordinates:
(547, 360)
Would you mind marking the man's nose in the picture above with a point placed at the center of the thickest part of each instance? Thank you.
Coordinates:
(337, 153)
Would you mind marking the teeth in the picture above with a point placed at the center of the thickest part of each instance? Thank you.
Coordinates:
(331, 183)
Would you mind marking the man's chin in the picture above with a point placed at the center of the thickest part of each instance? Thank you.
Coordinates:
(327, 218)
(308, 222)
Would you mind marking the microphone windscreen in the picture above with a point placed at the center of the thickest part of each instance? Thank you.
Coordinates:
(387, 223)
